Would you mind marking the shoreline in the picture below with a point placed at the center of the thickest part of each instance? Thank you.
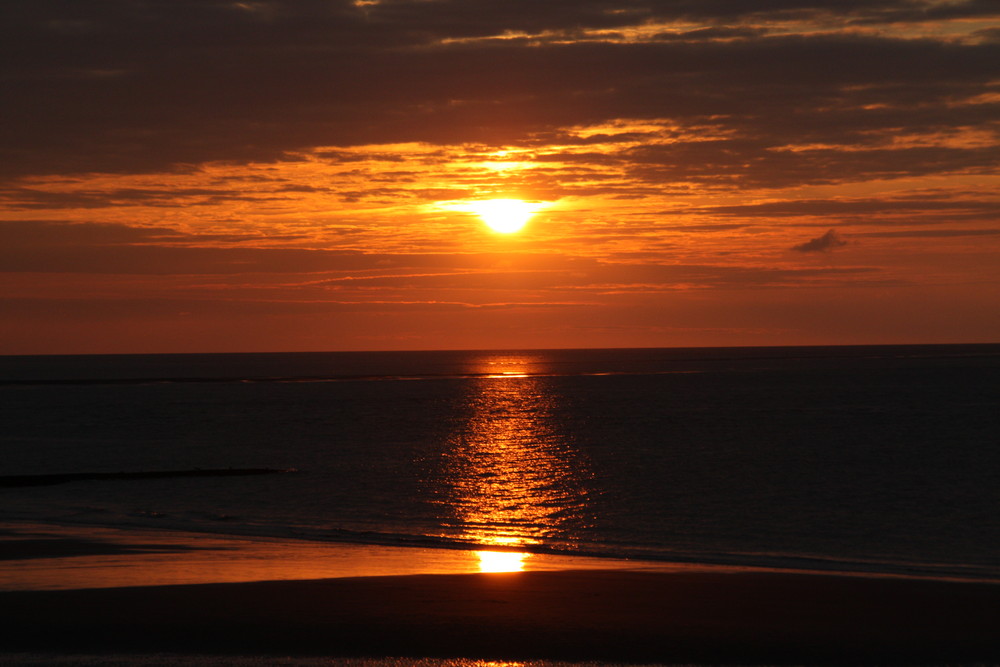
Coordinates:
(118, 556)
(40, 557)
(51, 556)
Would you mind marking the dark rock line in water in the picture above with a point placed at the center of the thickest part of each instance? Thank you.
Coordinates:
(64, 478)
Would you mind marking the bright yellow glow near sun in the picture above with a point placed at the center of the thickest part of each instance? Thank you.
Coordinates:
(505, 216)
(500, 561)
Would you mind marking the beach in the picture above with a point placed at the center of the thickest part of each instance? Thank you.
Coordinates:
(574, 615)
(779, 506)
(681, 615)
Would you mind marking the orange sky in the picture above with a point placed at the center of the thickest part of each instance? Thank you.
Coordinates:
(184, 176)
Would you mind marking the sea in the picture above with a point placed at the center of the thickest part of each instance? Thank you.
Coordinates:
(865, 459)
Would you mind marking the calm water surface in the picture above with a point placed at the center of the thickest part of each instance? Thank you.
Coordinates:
(882, 459)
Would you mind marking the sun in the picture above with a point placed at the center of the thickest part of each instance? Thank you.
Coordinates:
(505, 216)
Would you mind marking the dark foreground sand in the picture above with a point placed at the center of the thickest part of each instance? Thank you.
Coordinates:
(616, 616)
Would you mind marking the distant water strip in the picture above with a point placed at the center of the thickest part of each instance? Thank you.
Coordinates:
(324, 367)
(332, 378)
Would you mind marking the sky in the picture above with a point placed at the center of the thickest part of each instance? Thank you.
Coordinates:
(278, 175)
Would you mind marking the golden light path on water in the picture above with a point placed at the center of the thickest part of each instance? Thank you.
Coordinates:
(505, 481)
(507, 478)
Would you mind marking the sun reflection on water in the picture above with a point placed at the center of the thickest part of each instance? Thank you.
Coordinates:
(501, 561)
(507, 477)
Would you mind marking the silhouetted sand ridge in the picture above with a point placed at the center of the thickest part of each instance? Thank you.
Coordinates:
(736, 617)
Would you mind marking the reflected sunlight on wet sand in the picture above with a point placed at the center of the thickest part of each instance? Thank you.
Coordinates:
(37, 557)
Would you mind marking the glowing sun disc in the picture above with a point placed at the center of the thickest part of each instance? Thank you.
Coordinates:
(505, 215)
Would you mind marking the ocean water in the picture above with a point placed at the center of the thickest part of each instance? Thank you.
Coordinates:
(881, 459)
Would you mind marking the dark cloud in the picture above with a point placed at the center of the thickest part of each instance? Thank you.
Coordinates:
(824, 243)
(754, 165)
(917, 12)
(22, 198)
(934, 233)
(119, 86)
(724, 32)
(59, 247)
(865, 208)
(35, 237)
(483, 17)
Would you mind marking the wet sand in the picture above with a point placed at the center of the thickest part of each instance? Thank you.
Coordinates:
(603, 615)
(221, 596)
(35, 557)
